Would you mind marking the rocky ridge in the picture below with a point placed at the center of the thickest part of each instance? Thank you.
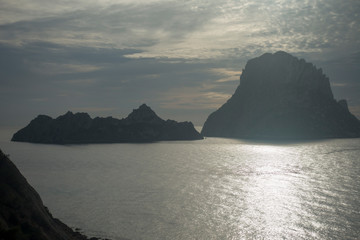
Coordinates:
(142, 125)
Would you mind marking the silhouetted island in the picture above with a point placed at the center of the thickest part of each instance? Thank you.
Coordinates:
(22, 213)
(282, 97)
(142, 125)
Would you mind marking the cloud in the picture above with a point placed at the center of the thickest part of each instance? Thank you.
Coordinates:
(355, 110)
(209, 93)
(227, 75)
(55, 69)
(187, 29)
(115, 25)
(335, 84)
(193, 98)
(261, 26)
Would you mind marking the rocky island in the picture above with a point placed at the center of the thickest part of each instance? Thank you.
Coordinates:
(22, 213)
(282, 97)
(142, 125)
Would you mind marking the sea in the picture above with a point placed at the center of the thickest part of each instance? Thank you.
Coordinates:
(214, 188)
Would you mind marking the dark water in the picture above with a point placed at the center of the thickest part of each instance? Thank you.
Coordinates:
(211, 189)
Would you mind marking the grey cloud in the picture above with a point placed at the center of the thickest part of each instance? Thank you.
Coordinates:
(323, 24)
(266, 25)
(117, 25)
(300, 26)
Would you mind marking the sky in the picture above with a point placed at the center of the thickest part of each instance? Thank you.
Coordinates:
(182, 58)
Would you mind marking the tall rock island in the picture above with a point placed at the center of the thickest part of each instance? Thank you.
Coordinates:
(142, 125)
(282, 97)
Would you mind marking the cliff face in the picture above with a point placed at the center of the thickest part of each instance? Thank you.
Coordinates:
(22, 214)
(281, 96)
(142, 125)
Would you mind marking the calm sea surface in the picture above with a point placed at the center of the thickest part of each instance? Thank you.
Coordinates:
(211, 189)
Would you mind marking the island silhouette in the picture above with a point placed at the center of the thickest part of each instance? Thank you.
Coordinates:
(142, 125)
(282, 97)
(279, 97)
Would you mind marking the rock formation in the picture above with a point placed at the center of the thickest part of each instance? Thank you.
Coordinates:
(22, 213)
(282, 97)
(142, 125)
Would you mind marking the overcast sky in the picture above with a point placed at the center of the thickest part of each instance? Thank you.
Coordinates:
(182, 58)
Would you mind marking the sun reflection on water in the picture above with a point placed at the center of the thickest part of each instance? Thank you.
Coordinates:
(270, 195)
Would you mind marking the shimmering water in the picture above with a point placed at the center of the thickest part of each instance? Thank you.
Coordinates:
(211, 189)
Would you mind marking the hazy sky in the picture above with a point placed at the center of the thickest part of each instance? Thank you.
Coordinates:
(182, 58)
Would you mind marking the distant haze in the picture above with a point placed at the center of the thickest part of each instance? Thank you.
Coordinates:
(182, 58)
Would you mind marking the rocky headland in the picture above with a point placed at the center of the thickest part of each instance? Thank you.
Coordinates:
(282, 97)
(22, 213)
(142, 125)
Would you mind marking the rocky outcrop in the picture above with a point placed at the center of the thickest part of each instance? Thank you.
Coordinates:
(142, 125)
(281, 96)
(22, 213)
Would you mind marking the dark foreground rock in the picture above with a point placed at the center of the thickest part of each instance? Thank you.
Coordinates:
(282, 97)
(22, 213)
(142, 125)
